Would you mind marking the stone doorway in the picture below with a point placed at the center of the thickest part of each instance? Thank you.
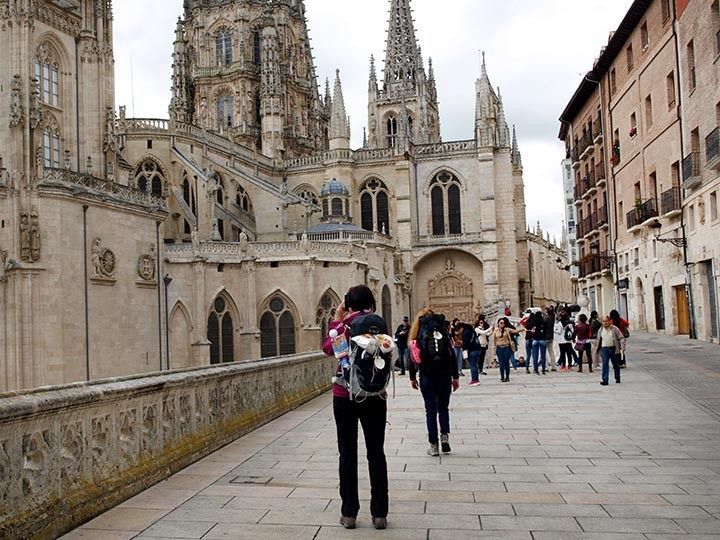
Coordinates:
(451, 293)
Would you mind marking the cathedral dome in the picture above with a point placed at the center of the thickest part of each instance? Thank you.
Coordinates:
(334, 187)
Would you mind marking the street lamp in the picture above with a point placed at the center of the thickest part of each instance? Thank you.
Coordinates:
(675, 241)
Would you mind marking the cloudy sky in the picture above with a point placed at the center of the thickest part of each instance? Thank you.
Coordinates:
(536, 52)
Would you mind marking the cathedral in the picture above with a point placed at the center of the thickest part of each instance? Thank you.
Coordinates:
(231, 230)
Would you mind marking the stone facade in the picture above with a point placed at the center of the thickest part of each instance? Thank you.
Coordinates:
(550, 282)
(656, 251)
(232, 230)
(71, 452)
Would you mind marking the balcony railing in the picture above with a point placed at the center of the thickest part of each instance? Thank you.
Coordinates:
(592, 264)
(574, 154)
(597, 129)
(602, 216)
(642, 212)
(712, 149)
(599, 172)
(691, 170)
(670, 200)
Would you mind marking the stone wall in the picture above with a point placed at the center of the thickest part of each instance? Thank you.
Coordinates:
(71, 452)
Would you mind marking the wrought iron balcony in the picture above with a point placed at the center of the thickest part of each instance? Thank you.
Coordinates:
(600, 174)
(691, 170)
(671, 201)
(602, 216)
(642, 212)
(597, 131)
(712, 150)
(595, 263)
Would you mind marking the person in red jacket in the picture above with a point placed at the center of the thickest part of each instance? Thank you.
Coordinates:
(583, 345)
(371, 412)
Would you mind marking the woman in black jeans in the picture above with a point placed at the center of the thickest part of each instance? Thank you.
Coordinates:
(439, 377)
(371, 412)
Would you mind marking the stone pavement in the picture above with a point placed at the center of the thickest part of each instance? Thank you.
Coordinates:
(553, 457)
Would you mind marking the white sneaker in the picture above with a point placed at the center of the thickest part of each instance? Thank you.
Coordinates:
(433, 450)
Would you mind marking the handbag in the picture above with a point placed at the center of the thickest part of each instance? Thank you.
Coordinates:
(580, 345)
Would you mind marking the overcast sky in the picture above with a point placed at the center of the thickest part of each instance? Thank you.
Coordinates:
(536, 52)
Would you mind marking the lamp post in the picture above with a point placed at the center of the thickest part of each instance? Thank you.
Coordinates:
(167, 280)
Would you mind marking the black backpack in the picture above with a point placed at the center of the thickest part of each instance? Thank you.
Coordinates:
(569, 332)
(369, 371)
(432, 339)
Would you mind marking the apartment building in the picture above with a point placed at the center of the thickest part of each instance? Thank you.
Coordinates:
(698, 29)
(632, 96)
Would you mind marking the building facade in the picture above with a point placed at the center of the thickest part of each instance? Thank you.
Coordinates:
(550, 281)
(231, 230)
(641, 97)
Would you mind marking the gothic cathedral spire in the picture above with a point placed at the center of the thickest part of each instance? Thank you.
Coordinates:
(405, 109)
(339, 125)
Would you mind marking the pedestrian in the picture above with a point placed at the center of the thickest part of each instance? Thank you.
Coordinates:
(564, 336)
(483, 330)
(536, 336)
(624, 327)
(456, 337)
(611, 344)
(503, 339)
(583, 335)
(438, 374)
(595, 326)
(525, 322)
(549, 322)
(471, 347)
(401, 341)
(371, 412)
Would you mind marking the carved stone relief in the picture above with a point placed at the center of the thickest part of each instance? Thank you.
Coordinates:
(149, 428)
(17, 113)
(29, 236)
(103, 262)
(37, 449)
(168, 419)
(146, 266)
(127, 430)
(99, 441)
(72, 451)
(451, 293)
(6, 473)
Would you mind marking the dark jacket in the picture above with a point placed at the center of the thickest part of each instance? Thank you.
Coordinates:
(444, 368)
(401, 336)
(535, 327)
(549, 322)
(595, 326)
(470, 340)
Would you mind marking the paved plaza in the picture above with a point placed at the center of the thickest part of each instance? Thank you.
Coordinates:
(544, 457)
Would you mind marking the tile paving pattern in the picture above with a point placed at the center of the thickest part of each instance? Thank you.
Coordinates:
(542, 458)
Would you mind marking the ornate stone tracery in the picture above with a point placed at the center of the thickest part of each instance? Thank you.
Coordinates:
(103, 262)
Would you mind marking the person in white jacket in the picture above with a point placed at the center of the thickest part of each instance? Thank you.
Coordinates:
(564, 334)
(483, 331)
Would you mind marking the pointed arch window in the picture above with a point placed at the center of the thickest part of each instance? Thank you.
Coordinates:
(326, 313)
(445, 204)
(256, 48)
(391, 130)
(277, 329)
(47, 76)
(225, 111)
(374, 206)
(242, 200)
(51, 144)
(148, 177)
(220, 333)
(223, 48)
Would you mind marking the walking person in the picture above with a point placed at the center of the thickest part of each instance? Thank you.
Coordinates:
(595, 326)
(438, 374)
(536, 336)
(456, 337)
(549, 322)
(564, 335)
(371, 413)
(624, 327)
(483, 331)
(471, 347)
(503, 338)
(525, 323)
(583, 335)
(611, 344)
(401, 341)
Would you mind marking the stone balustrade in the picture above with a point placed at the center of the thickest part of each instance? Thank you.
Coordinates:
(443, 149)
(69, 453)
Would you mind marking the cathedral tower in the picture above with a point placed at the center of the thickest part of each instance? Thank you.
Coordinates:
(244, 69)
(405, 108)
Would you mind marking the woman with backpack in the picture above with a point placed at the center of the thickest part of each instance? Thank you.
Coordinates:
(371, 412)
(564, 336)
(503, 337)
(439, 376)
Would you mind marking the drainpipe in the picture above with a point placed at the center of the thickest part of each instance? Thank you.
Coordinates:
(87, 319)
(686, 263)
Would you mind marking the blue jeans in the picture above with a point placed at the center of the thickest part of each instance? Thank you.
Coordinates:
(607, 355)
(458, 356)
(436, 393)
(473, 357)
(504, 354)
(403, 355)
(528, 353)
(539, 348)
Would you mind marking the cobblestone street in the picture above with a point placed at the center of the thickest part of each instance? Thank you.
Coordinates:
(544, 457)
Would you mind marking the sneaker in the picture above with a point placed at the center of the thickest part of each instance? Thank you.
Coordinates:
(462, 374)
(379, 522)
(617, 381)
(347, 522)
(543, 372)
(433, 450)
(604, 383)
(483, 373)
(553, 369)
(527, 370)
(445, 442)
(535, 372)
(474, 383)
